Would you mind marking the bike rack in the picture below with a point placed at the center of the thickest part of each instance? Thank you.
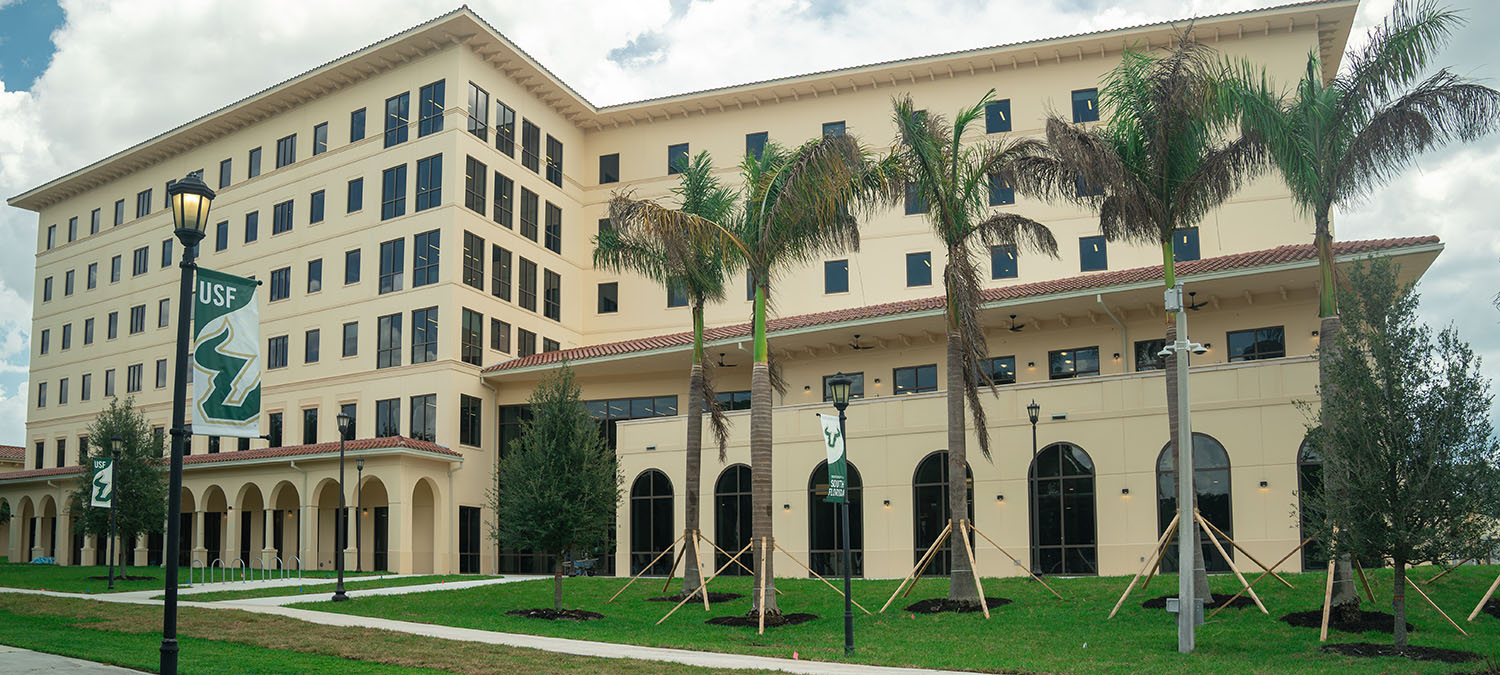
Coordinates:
(196, 565)
(237, 564)
(254, 562)
(287, 573)
(219, 564)
(278, 567)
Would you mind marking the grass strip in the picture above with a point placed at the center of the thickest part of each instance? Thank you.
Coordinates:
(79, 579)
(320, 586)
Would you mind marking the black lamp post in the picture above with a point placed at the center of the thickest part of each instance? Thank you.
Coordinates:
(111, 547)
(342, 523)
(191, 200)
(839, 386)
(359, 512)
(1033, 412)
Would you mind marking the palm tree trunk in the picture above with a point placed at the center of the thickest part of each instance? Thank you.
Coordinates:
(961, 585)
(1174, 406)
(760, 464)
(1345, 595)
(690, 578)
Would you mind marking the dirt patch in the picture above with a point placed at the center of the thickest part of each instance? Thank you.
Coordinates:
(1492, 608)
(752, 620)
(712, 597)
(556, 614)
(1348, 622)
(1219, 599)
(939, 605)
(121, 578)
(1413, 652)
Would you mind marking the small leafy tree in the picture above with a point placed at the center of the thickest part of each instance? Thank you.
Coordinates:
(559, 486)
(140, 476)
(1410, 437)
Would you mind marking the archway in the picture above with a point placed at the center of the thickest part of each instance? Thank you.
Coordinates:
(1309, 485)
(1211, 479)
(249, 508)
(423, 514)
(372, 530)
(215, 520)
(825, 528)
(8, 509)
(187, 508)
(1064, 526)
(326, 504)
(285, 523)
(930, 506)
(732, 516)
(47, 538)
(650, 522)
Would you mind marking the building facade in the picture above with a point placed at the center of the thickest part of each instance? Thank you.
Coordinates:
(422, 211)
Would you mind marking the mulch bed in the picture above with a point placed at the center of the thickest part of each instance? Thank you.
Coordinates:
(121, 578)
(752, 620)
(1341, 621)
(939, 605)
(556, 614)
(712, 597)
(1413, 652)
(1492, 608)
(1219, 599)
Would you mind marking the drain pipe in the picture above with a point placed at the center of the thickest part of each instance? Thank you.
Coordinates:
(1124, 335)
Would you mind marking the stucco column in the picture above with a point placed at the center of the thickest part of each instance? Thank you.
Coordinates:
(90, 545)
(64, 552)
(17, 539)
(229, 546)
(351, 553)
(267, 539)
(398, 536)
(41, 536)
(142, 553)
(200, 552)
(307, 519)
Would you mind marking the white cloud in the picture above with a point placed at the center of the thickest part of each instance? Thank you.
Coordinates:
(13, 414)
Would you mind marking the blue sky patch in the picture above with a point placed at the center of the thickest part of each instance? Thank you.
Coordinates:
(26, 41)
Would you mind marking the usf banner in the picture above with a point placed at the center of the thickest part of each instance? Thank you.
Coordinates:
(103, 494)
(226, 356)
(838, 473)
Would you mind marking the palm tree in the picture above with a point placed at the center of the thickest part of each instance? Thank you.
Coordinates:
(698, 272)
(1334, 141)
(1160, 162)
(952, 179)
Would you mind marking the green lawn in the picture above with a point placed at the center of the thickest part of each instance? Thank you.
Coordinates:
(1035, 633)
(320, 586)
(77, 579)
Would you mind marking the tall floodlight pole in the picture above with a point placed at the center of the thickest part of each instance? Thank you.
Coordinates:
(1187, 530)
(190, 200)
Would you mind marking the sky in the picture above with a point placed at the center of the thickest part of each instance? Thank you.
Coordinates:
(82, 79)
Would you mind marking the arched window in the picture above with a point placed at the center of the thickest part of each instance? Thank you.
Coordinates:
(1211, 471)
(732, 517)
(1310, 484)
(1063, 511)
(825, 527)
(930, 506)
(651, 522)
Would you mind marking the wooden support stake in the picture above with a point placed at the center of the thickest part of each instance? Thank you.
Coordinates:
(975, 530)
(736, 561)
(936, 551)
(647, 567)
(1149, 559)
(1327, 600)
(1161, 552)
(675, 560)
(716, 574)
(1485, 599)
(1422, 593)
(702, 581)
(836, 589)
(1241, 549)
(1257, 579)
(1450, 569)
(963, 533)
(1361, 570)
(761, 629)
(1232, 567)
(914, 568)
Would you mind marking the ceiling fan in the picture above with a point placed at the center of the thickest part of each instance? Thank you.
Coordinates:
(721, 363)
(1192, 303)
(1015, 327)
(857, 347)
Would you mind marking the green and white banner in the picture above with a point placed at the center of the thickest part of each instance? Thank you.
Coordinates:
(103, 494)
(226, 356)
(838, 473)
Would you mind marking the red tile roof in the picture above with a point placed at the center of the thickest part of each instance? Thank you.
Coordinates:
(1263, 258)
(14, 453)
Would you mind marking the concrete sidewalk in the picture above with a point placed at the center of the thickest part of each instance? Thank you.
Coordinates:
(17, 661)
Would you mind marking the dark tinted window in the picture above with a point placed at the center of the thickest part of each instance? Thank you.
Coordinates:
(1092, 254)
(1261, 343)
(919, 269)
(1066, 363)
(1185, 244)
(677, 157)
(755, 143)
(836, 276)
(997, 116)
(1086, 105)
(1003, 262)
(609, 168)
(915, 379)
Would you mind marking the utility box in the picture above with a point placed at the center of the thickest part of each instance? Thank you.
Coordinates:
(1174, 605)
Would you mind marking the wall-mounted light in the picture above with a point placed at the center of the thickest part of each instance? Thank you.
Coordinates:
(1315, 333)
(888, 503)
(1265, 484)
(1208, 345)
(1117, 356)
(877, 381)
(786, 507)
(1124, 492)
(999, 498)
(1031, 364)
(806, 387)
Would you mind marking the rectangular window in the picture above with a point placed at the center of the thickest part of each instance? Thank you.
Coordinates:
(281, 284)
(554, 161)
(46, 340)
(309, 426)
(286, 150)
(163, 315)
(88, 331)
(528, 214)
(1086, 188)
(274, 425)
(47, 289)
(119, 212)
(429, 182)
(528, 285)
(252, 226)
(425, 250)
(310, 345)
(1148, 355)
(276, 352)
(677, 158)
(471, 337)
(357, 125)
(504, 193)
(388, 417)
(351, 339)
(1000, 369)
(41, 394)
(1001, 192)
(221, 236)
(676, 297)
(92, 276)
(62, 454)
(919, 269)
(1092, 254)
(388, 341)
(553, 238)
(281, 218)
(397, 116)
(315, 207)
(67, 336)
(755, 143)
(351, 267)
(51, 236)
(133, 376)
(476, 176)
(393, 192)
(550, 345)
(166, 253)
(836, 276)
(226, 172)
(609, 169)
(143, 203)
(1003, 262)
(356, 199)
(479, 112)
(424, 335)
(499, 335)
(424, 418)
(609, 297)
(552, 295)
(833, 128)
(997, 116)
(109, 382)
(468, 421)
(314, 275)
(320, 139)
(500, 273)
(84, 386)
(1067, 363)
(1185, 244)
(113, 330)
(856, 387)
(68, 283)
(913, 202)
(474, 260)
(525, 342)
(73, 229)
(392, 264)
(62, 399)
(505, 129)
(161, 373)
(531, 146)
(94, 218)
(213, 445)
(740, 400)
(432, 98)
(915, 379)
(254, 164)
(1086, 105)
(1260, 343)
(137, 319)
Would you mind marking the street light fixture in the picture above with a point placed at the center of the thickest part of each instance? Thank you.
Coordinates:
(359, 511)
(1033, 413)
(190, 199)
(112, 547)
(345, 423)
(838, 387)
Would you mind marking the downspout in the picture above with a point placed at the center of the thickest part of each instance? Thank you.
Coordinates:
(1124, 335)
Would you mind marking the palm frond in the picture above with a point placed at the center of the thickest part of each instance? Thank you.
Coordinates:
(809, 206)
(717, 421)
(1019, 231)
(1394, 56)
(1219, 173)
